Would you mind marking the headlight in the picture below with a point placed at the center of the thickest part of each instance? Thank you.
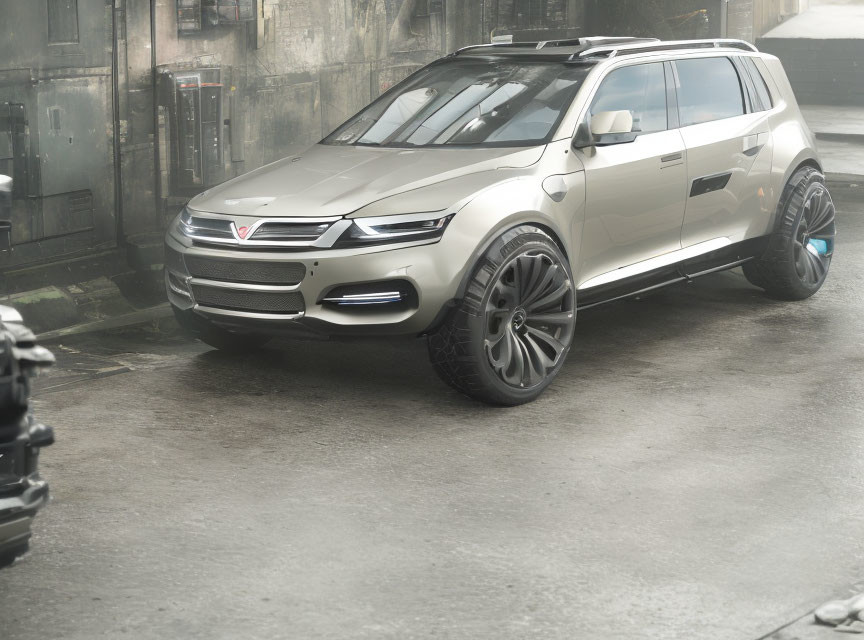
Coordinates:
(404, 228)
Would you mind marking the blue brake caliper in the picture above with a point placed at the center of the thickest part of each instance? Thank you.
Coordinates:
(819, 247)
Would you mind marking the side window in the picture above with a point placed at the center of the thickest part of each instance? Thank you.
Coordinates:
(759, 83)
(709, 90)
(641, 90)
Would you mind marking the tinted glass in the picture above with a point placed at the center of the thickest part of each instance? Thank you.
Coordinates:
(641, 90)
(710, 90)
(759, 83)
(481, 102)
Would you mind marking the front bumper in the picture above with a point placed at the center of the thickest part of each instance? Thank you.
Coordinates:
(296, 302)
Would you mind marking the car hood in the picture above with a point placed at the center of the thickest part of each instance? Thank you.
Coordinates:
(331, 180)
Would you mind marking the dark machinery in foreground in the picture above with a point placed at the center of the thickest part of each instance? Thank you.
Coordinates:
(22, 490)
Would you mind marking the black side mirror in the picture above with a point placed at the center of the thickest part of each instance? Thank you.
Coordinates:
(583, 138)
(608, 139)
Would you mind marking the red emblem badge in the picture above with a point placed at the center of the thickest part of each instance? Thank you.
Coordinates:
(242, 231)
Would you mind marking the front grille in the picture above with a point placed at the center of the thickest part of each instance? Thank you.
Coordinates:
(250, 272)
(291, 231)
(290, 302)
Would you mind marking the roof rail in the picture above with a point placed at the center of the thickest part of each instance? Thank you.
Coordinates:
(625, 49)
(594, 42)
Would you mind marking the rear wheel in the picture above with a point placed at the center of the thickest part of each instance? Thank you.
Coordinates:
(508, 338)
(216, 336)
(799, 254)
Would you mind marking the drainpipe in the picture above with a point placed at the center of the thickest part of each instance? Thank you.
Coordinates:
(157, 167)
(115, 91)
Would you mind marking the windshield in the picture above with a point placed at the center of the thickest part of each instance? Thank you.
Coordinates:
(468, 102)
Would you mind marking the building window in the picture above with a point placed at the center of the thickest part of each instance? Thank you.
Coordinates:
(62, 21)
(188, 16)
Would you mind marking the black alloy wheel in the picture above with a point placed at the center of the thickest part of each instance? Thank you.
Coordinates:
(801, 249)
(507, 338)
(529, 319)
(814, 239)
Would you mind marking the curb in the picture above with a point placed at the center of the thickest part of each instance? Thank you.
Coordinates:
(851, 138)
(845, 179)
(46, 308)
(91, 305)
(158, 312)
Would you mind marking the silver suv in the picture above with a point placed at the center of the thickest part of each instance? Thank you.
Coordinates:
(494, 193)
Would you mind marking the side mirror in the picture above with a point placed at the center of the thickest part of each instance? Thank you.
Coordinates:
(583, 138)
(605, 122)
(612, 127)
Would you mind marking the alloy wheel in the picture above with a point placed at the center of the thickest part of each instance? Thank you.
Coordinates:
(529, 318)
(814, 239)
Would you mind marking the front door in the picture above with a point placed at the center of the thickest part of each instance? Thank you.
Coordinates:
(635, 191)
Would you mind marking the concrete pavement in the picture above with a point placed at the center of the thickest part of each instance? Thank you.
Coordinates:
(696, 472)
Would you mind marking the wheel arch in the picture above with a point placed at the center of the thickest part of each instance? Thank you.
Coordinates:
(806, 158)
(531, 223)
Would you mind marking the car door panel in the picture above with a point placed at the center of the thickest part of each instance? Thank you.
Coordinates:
(728, 172)
(635, 192)
(634, 202)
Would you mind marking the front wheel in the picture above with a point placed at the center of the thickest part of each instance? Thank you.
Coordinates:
(507, 339)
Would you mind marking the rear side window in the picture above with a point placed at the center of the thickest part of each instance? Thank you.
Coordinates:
(709, 90)
(762, 93)
(641, 90)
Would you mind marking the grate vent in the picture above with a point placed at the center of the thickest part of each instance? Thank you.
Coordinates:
(251, 301)
(249, 272)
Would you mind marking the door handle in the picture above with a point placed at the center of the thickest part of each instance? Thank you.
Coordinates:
(754, 143)
(672, 157)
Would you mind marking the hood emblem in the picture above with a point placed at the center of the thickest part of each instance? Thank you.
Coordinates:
(242, 231)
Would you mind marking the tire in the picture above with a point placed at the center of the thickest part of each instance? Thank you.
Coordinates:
(507, 339)
(217, 337)
(8, 557)
(799, 253)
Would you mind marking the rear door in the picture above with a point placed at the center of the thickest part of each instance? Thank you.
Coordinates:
(635, 190)
(725, 127)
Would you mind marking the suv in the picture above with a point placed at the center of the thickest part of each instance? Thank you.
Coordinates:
(22, 490)
(494, 193)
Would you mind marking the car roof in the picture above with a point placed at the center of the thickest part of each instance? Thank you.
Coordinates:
(594, 49)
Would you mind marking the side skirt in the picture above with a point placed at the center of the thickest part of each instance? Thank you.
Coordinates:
(726, 258)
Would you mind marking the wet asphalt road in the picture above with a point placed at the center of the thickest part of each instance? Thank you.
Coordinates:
(696, 472)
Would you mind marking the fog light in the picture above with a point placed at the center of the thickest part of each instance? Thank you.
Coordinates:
(383, 297)
(397, 292)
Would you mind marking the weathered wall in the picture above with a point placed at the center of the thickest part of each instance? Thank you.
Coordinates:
(55, 127)
(749, 19)
(282, 79)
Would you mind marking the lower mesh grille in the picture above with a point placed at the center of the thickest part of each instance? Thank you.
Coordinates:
(250, 272)
(290, 302)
